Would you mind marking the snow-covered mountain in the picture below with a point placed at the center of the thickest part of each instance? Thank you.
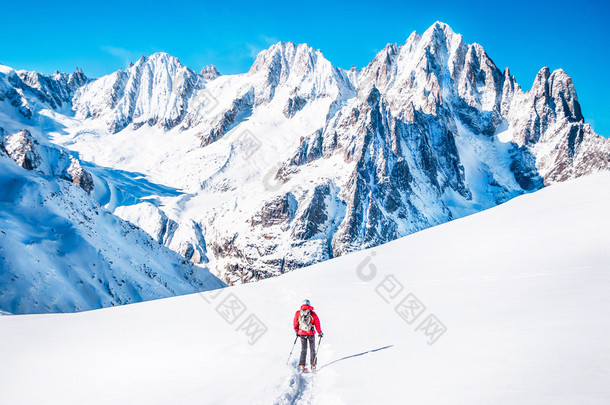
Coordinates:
(45, 159)
(27, 91)
(298, 161)
(63, 252)
(154, 91)
(514, 301)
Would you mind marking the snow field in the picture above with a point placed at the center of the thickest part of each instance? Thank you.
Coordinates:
(520, 288)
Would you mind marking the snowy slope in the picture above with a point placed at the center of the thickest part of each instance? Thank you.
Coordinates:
(62, 252)
(521, 289)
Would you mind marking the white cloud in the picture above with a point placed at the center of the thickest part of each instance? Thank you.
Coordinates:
(263, 42)
(126, 56)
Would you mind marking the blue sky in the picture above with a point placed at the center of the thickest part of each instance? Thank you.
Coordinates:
(101, 37)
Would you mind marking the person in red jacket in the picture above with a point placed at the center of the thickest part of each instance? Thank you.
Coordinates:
(306, 323)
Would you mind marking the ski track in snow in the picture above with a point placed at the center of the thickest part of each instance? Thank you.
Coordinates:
(299, 390)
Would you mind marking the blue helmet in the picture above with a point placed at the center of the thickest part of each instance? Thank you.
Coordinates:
(306, 302)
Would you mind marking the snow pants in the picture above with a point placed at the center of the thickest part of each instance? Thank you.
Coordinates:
(312, 349)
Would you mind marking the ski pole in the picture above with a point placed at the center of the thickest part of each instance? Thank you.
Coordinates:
(295, 342)
(315, 359)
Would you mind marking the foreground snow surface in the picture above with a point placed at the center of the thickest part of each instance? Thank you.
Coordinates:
(521, 290)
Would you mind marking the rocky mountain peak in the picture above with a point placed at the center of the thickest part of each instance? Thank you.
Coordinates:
(284, 59)
(438, 38)
(303, 70)
(540, 81)
(556, 91)
(563, 91)
(55, 90)
(160, 58)
(78, 78)
(210, 72)
(440, 27)
(159, 64)
(275, 57)
(385, 58)
(154, 91)
(380, 71)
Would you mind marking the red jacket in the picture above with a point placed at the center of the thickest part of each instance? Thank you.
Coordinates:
(314, 320)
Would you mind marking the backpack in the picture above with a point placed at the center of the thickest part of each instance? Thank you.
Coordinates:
(305, 320)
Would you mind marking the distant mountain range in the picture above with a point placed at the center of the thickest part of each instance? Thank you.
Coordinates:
(296, 161)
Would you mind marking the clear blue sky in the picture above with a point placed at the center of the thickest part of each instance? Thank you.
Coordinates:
(101, 37)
